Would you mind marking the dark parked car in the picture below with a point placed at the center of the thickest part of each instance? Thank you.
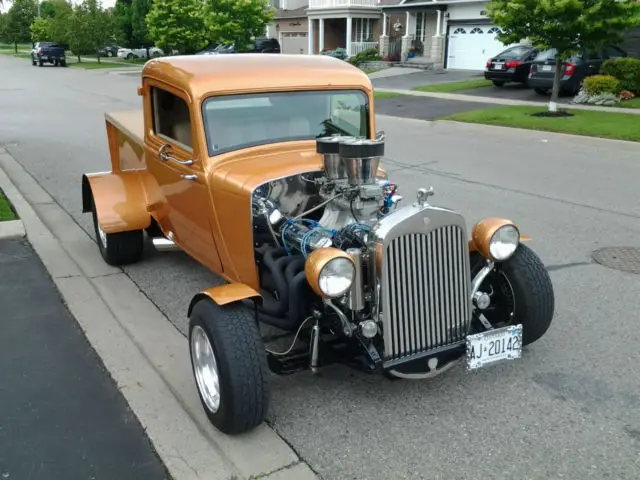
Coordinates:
(48, 52)
(109, 51)
(259, 45)
(510, 65)
(574, 70)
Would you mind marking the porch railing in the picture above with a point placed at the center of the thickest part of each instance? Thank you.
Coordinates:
(357, 47)
(341, 3)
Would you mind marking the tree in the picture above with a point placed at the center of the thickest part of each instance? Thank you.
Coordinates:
(47, 9)
(89, 28)
(236, 21)
(40, 29)
(122, 22)
(19, 19)
(140, 33)
(563, 25)
(177, 24)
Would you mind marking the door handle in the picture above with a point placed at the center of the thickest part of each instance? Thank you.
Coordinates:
(164, 156)
(192, 177)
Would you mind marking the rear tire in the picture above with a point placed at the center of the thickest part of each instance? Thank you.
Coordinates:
(229, 365)
(498, 83)
(63, 63)
(120, 248)
(40, 63)
(541, 91)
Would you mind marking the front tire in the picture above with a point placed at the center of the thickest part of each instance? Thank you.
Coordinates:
(120, 248)
(498, 83)
(524, 293)
(541, 91)
(229, 365)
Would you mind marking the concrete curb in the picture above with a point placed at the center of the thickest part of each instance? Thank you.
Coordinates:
(504, 101)
(146, 356)
(11, 229)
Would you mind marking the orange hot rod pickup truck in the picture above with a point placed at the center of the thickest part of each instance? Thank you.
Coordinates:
(266, 170)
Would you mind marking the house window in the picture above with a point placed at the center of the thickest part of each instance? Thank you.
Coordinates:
(363, 29)
(420, 22)
(494, 30)
(171, 120)
(459, 31)
(477, 30)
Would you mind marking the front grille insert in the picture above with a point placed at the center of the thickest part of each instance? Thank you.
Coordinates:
(426, 300)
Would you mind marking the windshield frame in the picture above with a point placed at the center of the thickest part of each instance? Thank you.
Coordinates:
(368, 104)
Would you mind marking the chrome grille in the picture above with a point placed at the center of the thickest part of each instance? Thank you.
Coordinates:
(426, 300)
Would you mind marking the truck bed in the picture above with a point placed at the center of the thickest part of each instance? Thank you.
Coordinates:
(130, 122)
(125, 131)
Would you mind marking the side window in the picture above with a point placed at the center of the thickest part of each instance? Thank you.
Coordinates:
(171, 120)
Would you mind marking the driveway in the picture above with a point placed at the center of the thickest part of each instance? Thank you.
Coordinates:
(570, 408)
(512, 91)
(426, 77)
(424, 108)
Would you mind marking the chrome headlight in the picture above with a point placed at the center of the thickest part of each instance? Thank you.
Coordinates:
(330, 272)
(504, 242)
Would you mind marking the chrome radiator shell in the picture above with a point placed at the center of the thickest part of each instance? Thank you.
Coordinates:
(422, 269)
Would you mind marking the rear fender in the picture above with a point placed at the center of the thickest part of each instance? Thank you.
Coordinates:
(225, 294)
(120, 199)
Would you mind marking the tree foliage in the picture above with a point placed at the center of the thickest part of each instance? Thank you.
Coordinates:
(90, 27)
(19, 19)
(140, 32)
(236, 21)
(122, 22)
(564, 25)
(40, 29)
(177, 24)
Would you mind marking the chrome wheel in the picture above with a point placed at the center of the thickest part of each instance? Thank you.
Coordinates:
(205, 369)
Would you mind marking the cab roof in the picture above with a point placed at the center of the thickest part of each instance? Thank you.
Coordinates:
(203, 75)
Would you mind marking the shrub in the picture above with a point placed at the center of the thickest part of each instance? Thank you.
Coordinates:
(370, 55)
(626, 70)
(598, 84)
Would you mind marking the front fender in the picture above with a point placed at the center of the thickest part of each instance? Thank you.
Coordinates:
(120, 200)
(225, 294)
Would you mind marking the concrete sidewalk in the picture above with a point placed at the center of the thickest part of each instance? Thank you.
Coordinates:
(502, 101)
(62, 415)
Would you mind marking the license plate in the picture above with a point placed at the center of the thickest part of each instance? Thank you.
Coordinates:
(547, 68)
(494, 346)
(498, 66)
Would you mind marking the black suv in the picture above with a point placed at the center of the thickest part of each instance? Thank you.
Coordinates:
(574, 70)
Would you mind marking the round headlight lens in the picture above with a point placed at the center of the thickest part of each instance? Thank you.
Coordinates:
(504, 242)
(336, 277)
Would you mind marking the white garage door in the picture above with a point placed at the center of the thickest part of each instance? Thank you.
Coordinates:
(294, 42)
(470, 46)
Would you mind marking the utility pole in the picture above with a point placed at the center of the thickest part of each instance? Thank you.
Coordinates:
(38, 4)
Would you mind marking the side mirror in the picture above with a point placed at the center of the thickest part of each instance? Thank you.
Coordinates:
(380, 135)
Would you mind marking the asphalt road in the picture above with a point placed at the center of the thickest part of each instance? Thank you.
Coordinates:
(426, 77)
(570, 408)
(61, 414)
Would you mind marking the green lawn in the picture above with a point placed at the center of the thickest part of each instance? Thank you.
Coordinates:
(379, 95)
(5, 210)
(94, 65)
(454, 86)
(633, 103)
(620, 126)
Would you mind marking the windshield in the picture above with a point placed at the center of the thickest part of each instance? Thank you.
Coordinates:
(513, 52)
(238, 121)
